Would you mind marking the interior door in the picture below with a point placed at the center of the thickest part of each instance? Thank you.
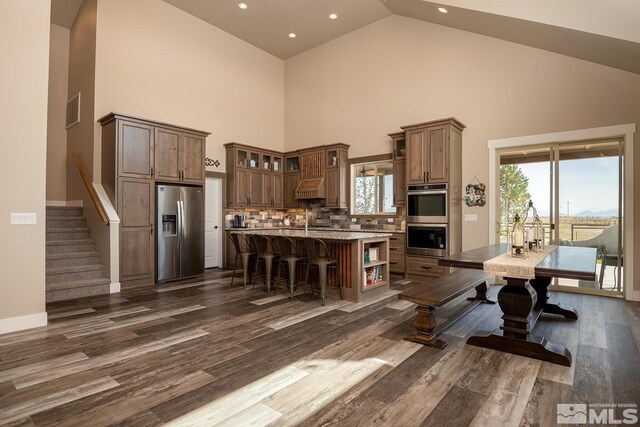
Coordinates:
(213, 223)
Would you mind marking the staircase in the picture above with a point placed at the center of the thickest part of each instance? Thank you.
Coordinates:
(73, 268)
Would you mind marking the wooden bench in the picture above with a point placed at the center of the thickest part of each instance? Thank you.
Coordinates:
(430, 295)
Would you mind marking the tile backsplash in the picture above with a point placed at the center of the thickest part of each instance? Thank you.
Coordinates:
(318, 217)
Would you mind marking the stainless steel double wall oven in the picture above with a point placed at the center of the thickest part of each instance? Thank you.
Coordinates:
(427, 219)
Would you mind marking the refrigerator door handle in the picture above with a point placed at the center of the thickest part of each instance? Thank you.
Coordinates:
(179, 230)
(182, 236)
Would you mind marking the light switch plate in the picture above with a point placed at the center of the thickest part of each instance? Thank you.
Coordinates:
(471, 218)
(23, 218)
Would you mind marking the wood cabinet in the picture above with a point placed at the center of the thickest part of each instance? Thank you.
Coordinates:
(429, 151)
(191, 154)
(255, 178)
(135, 149)
(179, 156)
(270, 179)
(398, 141)
(434, 155)
(137, 153)
(291, 179)
(336, 176)
(424, 266)
(397, 244)
(135, 206)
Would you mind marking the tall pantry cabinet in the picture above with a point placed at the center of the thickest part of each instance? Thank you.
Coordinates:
(137, 153)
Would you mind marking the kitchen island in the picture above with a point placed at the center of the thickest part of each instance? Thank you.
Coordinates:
(359, 280)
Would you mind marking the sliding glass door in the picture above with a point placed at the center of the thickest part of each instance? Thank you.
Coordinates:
(577, 189)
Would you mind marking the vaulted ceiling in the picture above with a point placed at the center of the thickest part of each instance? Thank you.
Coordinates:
(606, 33)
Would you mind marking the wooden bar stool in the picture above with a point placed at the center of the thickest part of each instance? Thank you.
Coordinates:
(290, 256)
(245, 253)
(319, 258)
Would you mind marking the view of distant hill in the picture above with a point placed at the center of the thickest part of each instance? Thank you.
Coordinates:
(587, 214)
(609, 213)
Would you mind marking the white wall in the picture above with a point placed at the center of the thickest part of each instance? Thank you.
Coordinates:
(56, 115)
(24, 68)
(158, 62)
(399, 71)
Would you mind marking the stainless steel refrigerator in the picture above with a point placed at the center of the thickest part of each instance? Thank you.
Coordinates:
(180, 236)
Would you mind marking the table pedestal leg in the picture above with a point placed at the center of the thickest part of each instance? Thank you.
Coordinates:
(481, 294)
(426, 329)
(517, 300)
(541, 285)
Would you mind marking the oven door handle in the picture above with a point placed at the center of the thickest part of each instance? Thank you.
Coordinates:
(426, 225)
(419, 193)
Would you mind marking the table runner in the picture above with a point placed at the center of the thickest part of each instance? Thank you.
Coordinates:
(522, 268)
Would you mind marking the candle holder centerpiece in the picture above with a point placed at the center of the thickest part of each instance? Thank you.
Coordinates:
(518, 235)
(534, 231)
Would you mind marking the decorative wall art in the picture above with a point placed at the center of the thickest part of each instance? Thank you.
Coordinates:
(476, 193)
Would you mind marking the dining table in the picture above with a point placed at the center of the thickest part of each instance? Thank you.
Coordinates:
(524, 300)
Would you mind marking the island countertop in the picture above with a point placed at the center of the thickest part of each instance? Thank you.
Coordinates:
(317, 234)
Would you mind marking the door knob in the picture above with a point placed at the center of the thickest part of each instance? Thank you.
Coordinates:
(215, 227)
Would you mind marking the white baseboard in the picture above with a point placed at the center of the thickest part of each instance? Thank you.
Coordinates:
(19, 323)
(76, 203)
(114, 288)
(634, 295)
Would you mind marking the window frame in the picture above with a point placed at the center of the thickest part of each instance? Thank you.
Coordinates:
(388, 157)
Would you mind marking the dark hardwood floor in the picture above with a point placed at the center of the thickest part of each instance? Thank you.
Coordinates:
(199, 352)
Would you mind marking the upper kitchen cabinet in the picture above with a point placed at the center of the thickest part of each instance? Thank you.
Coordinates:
(191, 154)
(179, 156)
(291, 179)
(399, 147)
(246, 172)
(135, 145)
(336, 178)
(139, 148)
(431, 150)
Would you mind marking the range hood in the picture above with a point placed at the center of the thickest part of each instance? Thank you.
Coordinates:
(310, 188)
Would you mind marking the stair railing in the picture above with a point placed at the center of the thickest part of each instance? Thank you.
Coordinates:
(92, 192)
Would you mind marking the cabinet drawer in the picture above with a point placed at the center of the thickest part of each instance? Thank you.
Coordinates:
(397, 242)
(425, 266)
(396, 264)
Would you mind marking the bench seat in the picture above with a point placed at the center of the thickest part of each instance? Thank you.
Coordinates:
(430, 295)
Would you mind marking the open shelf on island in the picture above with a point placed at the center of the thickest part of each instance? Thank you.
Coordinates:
(374, 256)
(375, 263)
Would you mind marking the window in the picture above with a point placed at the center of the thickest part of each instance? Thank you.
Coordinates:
(372, 188)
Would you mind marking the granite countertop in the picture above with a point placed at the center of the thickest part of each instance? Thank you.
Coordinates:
(318, 234)
(332, 229)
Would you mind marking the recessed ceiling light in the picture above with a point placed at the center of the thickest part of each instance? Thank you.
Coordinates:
(242, 5)
(442, 9)
(292, 35)
(333, 16)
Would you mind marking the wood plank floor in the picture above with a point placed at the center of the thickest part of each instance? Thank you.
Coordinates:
(200, 352)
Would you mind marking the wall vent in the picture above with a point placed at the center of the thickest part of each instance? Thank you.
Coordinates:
(73, 111)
